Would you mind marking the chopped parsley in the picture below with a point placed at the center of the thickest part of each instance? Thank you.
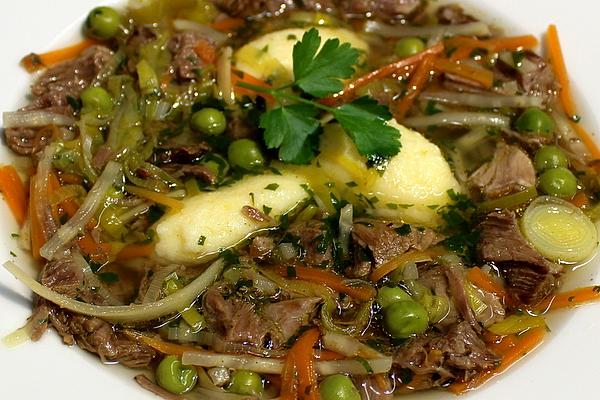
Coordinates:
(460, 221)
(272, 186)
(267, 210)
(201, 240)
(403, 230)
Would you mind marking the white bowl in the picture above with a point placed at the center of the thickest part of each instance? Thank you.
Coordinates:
(566, 366)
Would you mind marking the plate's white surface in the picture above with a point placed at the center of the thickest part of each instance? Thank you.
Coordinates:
(566, 366)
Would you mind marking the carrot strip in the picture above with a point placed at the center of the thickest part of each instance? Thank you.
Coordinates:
(162, 346)
(34, 62)
(228, 24)
(159, 198)
(517, 347)
(398, 261)
(416, 84)
(302, 356)
(466, 45)
(98, 252)
(331, 280)
(135, 251)
(481, 76)
(483, 281)
(14, 192)
(350, 91)
(68, 206)
(238, 76)
(560, 69)
(206, 51)
(572, 298)
(580, 200)
(37, 234)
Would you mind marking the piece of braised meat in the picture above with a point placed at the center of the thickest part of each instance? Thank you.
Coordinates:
(529, 277)
(440, 358)
(453, 14)
(186, 62)
(386, 240)
(509, 171)
(315, 241)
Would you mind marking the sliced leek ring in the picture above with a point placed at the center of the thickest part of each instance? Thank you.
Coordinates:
(560, 231)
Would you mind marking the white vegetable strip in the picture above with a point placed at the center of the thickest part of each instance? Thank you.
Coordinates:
(482, 100)
(345, 227)
(40, 193)
(264, 365)
(397, 31)
(130, 313)
(458, 118)
(91, 204)
(224, 76)
(34, 119)
(204, 30)
(348, 346)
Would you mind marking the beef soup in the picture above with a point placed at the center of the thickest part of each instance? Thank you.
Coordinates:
(301, 200)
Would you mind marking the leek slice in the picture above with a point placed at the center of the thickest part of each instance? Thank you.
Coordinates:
(560, 231)
(516, 324)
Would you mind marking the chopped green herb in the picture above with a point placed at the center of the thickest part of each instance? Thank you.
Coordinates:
(108, 277)
(272, 186)
(12, 253)
(201, 240)
(14, 235)
(392, 206)
(291, 272)
(267, 210)
(431, 109)
(403, 230)
(365, 365)
(351, 184)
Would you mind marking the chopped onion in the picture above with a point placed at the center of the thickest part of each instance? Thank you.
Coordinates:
(264, 365)
(215, 36)
(482, 100)
(88, 209)
(218, 375)
(348, 346)
(224, 76)
(559, 230)
(345, 228)
(179, 300)
(459, 118)
(397, 31)
(135, 212)
(287, 251)
(410, 271)
(34, 119)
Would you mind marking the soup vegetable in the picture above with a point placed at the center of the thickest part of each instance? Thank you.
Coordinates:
(301, 200)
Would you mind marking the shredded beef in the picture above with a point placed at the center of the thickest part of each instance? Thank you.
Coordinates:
(444, 357)
(528, 275)
(313, 237)
(69, 78)
(185, 62)
(435, 280)
(63, 276)
(261, 247)
(385, 242)
(289, 316)
(99, 337)
(456, 284)
(180, 154)
(27, 141)
(510, 171)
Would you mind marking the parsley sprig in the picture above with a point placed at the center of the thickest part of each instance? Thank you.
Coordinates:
(294, 127)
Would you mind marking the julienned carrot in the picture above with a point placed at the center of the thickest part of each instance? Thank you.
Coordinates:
(465, 45)
(228, 24)
(159, 198)
(68, 206)
(580, 200)
(37, 234)
(572, 298)
(398, 261)
(34, 62)
(206, 51)
(330, 279)
(483, 77)
(516, 348)
(350, 91)
(132, 251)
(560, 69)
(238, 76)
(417, 82)
(97, 252)
(299, 374)
(14, 192)
(162, 346)
(483, 281)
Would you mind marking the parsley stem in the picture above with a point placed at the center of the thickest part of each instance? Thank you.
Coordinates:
(278, 94)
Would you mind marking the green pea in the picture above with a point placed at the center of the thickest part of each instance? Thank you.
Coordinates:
(96, 99)
(247, 383)
(409, 46)
(549, 157)
(245, 154)
(209, 121)
(103, 23)
(174, 376)
(405, 318)
(535, 120)
(387, 296)
(338, 387)
(558, 182)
